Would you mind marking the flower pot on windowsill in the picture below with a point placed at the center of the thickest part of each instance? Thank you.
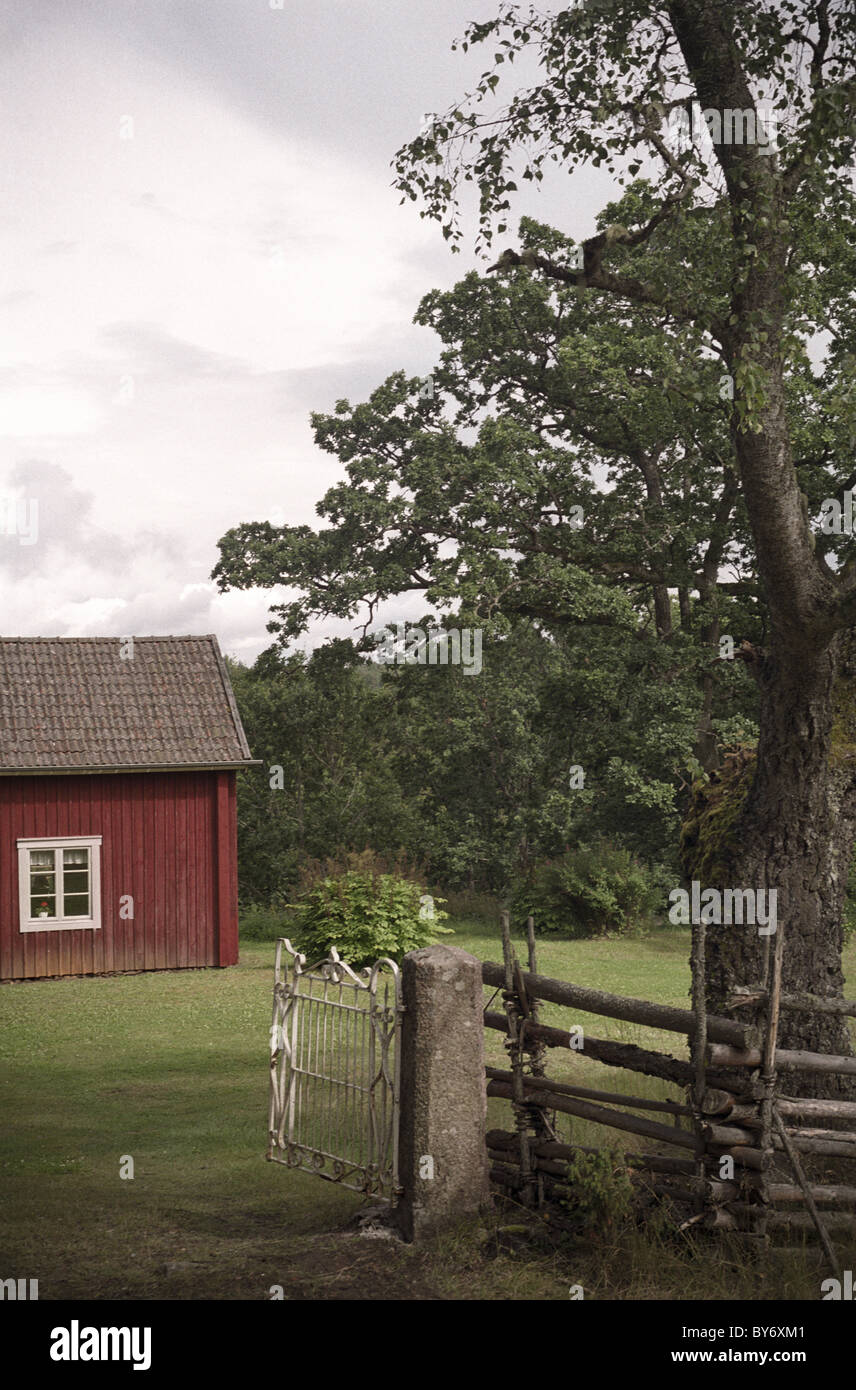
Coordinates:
(43, 914)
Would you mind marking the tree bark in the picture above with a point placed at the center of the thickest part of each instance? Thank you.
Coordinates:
(795, 835)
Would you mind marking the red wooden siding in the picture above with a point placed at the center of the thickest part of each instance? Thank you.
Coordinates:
(227, 869)
(168, 840)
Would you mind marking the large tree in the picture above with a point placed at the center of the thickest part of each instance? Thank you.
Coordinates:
(716, 269)
(612, 76)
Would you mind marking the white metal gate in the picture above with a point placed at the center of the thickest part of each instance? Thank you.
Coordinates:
(335, 1070)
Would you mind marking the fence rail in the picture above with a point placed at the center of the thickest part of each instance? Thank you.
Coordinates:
(597, 1001)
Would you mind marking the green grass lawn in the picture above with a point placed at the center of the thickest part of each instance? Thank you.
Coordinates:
(171, 1069)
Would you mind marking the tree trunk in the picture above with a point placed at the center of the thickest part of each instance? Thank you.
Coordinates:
(794, 833)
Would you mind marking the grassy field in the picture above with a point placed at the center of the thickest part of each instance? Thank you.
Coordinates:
(171, 1070)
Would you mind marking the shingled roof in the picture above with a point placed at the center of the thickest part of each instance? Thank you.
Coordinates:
(72, 704)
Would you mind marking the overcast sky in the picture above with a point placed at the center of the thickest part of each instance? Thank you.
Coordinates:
(201, 245)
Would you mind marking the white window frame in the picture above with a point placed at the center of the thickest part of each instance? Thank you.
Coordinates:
(90, 923)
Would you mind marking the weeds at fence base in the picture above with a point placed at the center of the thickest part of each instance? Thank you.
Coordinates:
(646, 1256)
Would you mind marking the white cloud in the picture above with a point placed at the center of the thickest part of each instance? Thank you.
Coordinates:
(46, 411)
(177, 302)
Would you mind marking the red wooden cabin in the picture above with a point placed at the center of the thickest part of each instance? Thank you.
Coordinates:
(118, 835)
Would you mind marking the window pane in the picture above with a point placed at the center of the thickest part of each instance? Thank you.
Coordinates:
(75, 882)
(43, 878)
(77, 905)
(60, 886)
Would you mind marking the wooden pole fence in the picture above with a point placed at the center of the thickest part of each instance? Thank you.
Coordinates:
(597, 1001)
(670, 1107)
(731, 1085)
(598, 1114)
(625, 1055)
(723, 1055)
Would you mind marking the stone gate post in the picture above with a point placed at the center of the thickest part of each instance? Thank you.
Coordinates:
(443, 1163)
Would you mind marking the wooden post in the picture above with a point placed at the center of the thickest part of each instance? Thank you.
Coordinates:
(807, 1194)
(530, 941)
(514, 1047)
(700, 1044)
(773, 986)
(543, 1126)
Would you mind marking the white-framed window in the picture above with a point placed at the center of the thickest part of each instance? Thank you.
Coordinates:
(59, 883)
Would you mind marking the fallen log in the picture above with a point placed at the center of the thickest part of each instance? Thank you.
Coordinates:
(551, 1166)
(748, 1115)
(743, 997)
(720, 1220)
(507, 1176)
(718, 1191)
(557, 1170)
(676, 1191)
(752, 1210)
(597, 1001)
(660, 1163)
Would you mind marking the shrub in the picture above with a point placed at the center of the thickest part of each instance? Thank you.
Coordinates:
(590, 891)
(365, 916)
(600, 1194)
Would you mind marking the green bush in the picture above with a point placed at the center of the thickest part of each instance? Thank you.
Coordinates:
(366, 915)
(599, 1196)
(596, 890)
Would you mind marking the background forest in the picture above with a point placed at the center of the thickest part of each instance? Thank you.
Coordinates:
(474, 784)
